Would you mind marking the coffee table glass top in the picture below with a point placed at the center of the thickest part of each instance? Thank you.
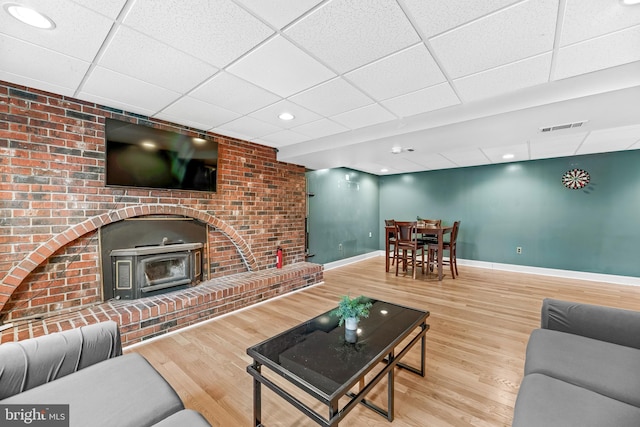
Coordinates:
(316, 353)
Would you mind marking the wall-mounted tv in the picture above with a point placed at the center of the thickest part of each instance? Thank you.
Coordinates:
(142, 156)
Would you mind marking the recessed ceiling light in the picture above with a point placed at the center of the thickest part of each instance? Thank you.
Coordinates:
(396, 150)
(508, 156)
(29, 16)
(286, 116)
(384, 170)
(630, 2)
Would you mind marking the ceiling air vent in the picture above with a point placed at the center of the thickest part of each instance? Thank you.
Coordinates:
(561, 127)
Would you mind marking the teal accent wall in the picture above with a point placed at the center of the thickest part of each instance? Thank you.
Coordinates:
(503, 206)
(342, 213)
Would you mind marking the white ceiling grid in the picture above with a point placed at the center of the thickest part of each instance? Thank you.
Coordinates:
(462, 82)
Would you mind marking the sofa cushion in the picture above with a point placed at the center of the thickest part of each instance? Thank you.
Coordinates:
(609, 369)
(184, 418)
(548, 402)
(123, 391)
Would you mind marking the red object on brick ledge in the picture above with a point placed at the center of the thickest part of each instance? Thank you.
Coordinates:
(279, 257)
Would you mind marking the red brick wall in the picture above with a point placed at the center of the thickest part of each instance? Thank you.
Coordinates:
(53, 200)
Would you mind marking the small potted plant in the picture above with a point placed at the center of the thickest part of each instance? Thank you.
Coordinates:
(350, 310)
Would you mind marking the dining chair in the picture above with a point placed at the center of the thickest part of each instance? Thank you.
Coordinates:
(407, 247)
(392, 238)
(425, 238)
(449, 246)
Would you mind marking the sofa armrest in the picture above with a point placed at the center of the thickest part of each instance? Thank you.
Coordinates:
(609, 324)
(29, 363)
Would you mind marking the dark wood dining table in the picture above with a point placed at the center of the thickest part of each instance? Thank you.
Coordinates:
(437, 232)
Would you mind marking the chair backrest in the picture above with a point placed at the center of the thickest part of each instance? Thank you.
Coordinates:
(406, 232)
(389, 222)
(454, 232)
(430, 222)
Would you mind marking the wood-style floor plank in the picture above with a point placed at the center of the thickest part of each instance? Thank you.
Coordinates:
(480, 324)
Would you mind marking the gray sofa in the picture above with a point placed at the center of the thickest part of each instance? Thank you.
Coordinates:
(582, 368)
(85, 369)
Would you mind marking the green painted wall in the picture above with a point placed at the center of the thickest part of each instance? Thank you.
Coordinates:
(501, 207)
(342, 213)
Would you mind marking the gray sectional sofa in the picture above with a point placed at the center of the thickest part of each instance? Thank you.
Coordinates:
(582, 368)
(85, 369)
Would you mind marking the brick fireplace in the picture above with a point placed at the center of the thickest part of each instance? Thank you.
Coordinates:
(54, 202)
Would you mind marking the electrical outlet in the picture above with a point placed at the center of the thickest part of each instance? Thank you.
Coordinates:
(519, 250)
(339, 246)
(370, 234)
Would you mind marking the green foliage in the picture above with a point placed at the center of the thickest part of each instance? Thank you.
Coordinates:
(352, 307)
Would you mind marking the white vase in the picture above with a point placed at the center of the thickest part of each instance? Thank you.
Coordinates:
(351, 323)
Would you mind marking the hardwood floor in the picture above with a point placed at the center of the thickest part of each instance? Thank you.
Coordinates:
(480, 324)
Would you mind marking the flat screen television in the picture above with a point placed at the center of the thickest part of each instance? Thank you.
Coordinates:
(142, 156)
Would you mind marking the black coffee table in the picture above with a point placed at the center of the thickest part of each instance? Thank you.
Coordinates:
(315, 357)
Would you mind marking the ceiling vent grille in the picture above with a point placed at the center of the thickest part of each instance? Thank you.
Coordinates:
(561, 127)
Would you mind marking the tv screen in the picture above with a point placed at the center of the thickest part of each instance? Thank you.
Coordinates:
(142, 156)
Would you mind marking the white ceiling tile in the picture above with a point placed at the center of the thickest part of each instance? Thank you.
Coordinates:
(270, 114)
(108, 84)
(62, 71)
(507, 78)
(136, 109)
(110, 8)
(421, 101)
(200, 27)
(585, 19)
(614, 139)
(398, 74)
(249, 127)
(547, 146)
(603, 52)
(279, 13)
(436, 16)
(284, 137)
(347, 34)
(333, 97)
(79, 32)
(281, 68)
(365, 116)
(467, 157)
(197, 111)
(233, 93)
(137, 55)
(520, 152)
(433, 161)
(320, 128)
(514, 33)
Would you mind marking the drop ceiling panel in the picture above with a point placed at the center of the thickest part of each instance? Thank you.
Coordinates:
(270, 114)
(247, 128)
(398, 74)
(429, 99)
(320, 128)
(514, 33)
(434, 17)
(79, 32)
(110, 8)
(62, 71)
(279, 13)
(137, 55)
(615, 139)
(233, 93)
(546, 147)
(197, 111)
(507, 78)
(468, 157)
(348, 34)
(585, 19)
(282, 138)
(333, 97)
(200, 27)
(519, 151)
(365, 116)
(607, 51)
(281, 68)
(108, 84)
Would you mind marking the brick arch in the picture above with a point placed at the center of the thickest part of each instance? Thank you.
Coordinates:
(20, 272)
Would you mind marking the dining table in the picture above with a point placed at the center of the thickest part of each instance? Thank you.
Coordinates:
(425, 230)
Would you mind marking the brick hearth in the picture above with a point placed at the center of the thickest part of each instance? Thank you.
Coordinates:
(152, 316)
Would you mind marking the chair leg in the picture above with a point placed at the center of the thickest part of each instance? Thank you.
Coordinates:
(455, 261)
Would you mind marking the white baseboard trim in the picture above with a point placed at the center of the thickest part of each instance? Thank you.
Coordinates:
(569, 274)
(347, 261)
